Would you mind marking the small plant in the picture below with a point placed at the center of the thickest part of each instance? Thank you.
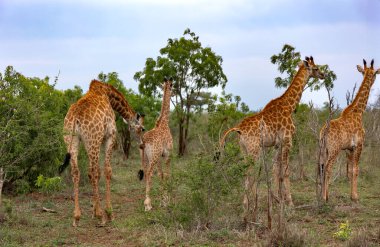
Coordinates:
(48, 185)
(8, 207)
(344, 232)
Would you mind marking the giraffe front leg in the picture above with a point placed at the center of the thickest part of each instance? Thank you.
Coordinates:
(355, 173)
(331, 159)
(166, 174)
(281, 172)
(249, 196)
(167, 167)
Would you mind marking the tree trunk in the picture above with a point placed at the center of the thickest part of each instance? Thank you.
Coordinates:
(126, 141)
(181, 139)
(2, 178)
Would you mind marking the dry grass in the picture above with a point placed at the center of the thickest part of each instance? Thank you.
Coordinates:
(25, 224)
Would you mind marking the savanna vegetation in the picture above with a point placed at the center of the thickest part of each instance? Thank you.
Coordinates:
(205, 193)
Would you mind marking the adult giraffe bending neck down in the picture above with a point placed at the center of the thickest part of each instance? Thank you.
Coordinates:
(92, 120)
(273, 126)
(347, 133)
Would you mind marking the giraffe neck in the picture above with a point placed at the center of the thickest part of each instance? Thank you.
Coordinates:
(360, 102)
(292, 95)
(116, 99)
(163, 119)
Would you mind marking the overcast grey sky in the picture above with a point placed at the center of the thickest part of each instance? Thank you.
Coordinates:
(81, 38)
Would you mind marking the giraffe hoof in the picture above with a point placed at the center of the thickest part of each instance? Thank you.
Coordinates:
(75, 222)
(147, 204)
(355, 200)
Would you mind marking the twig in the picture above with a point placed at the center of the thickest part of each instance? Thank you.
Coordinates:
(48, 210)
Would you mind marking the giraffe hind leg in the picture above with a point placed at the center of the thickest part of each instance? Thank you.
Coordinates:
(75, 177)
(93, 149)
(108, 174)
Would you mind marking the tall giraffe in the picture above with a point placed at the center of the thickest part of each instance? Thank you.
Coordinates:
(347, 133)
(273, 126)
(92, 120)
(157, 143)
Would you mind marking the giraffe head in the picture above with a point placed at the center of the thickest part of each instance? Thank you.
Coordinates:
(313, 69)
(167, 86)
(136, 122)
(368, 71)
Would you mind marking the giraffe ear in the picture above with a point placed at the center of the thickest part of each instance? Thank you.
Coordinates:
(377, 71)
(306, 64)
(360, 69)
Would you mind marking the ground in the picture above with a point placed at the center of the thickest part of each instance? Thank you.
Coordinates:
(24, 223)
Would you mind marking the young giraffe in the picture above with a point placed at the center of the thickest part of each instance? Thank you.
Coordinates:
(157, 143)
(273, 126)
(347, 133)
(92, 120)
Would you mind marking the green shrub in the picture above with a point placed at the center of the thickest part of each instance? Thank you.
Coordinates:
(206, 186)
(48, 185)
(344, 232)
(22, 186)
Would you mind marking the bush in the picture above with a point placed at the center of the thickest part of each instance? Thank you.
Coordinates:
(48, 185)
(344, 232)
(206, 186)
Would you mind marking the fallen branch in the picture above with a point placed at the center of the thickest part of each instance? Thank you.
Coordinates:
(48, 210)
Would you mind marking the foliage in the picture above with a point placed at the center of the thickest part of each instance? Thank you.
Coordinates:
(287, 62)
(49, 185)
(206, 184)
(31, 114)
(223, 112)
(344, 232)
(193, 68)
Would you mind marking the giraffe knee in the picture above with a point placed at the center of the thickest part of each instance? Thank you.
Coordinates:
(108, 172)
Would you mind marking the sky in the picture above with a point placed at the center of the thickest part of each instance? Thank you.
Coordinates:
(78, 39)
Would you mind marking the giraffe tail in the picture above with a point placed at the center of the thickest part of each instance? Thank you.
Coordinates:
(222, 141)
(140, 173)
(65, 163)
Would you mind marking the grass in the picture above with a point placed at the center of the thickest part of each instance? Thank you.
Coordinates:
(23, 223)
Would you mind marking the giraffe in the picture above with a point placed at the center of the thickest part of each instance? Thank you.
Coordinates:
(157, 143)
(91, 120)
(347, 133)
(273, 126)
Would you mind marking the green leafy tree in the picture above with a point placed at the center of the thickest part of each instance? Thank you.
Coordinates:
(31, 113)
(194, 69)
(224, 111)
(287, 62)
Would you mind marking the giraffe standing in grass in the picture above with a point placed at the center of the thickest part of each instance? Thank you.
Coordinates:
(157, 143)
(347, 133)
(92, 120)
(273, 126)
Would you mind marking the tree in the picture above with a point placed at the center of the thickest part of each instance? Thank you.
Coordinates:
(224, 111)
(287, 62)
(31, 113)
(193, 68)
